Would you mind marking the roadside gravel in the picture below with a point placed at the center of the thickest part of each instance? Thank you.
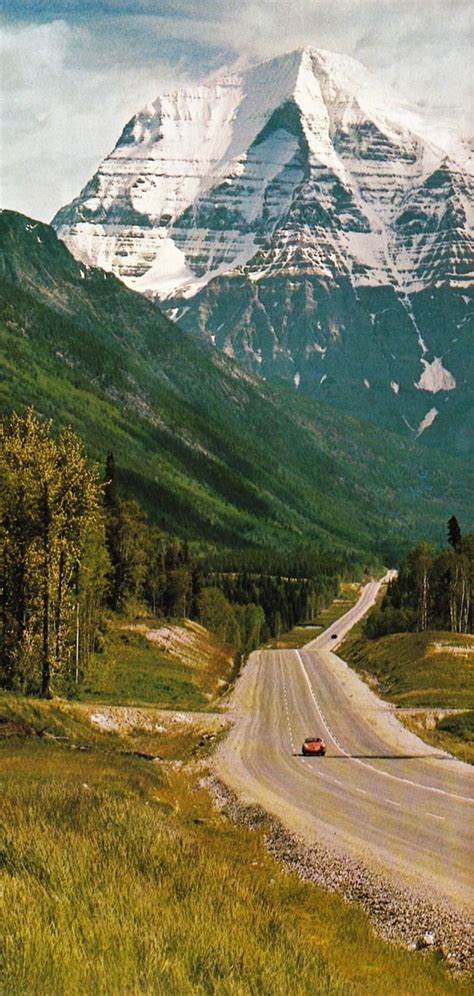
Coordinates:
(398, 914)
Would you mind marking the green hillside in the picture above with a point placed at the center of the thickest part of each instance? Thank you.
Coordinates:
(214, 453)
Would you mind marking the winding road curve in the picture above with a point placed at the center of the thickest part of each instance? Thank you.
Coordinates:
(380, 794)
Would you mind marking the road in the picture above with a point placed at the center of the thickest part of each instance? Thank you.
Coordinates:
(380, 794)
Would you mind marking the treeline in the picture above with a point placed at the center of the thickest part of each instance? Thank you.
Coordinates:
(433, 590)
(284, 601)
(244, 608)
(306, 563)
(145, 565)
(72, 546)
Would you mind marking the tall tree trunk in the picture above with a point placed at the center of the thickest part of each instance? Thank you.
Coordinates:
(424, 602)
(45, 661)
(7, 642)
(59, 606)
(77, 646)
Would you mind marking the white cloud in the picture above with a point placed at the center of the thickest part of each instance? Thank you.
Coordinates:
(424, 49)
(59, 115)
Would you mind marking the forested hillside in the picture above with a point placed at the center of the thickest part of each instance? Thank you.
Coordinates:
(213, 454)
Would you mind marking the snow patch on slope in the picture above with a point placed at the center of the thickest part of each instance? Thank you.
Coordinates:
(435, 377)
(427, 420)
(167, 271)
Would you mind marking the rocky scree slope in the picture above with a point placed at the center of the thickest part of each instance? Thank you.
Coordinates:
(303, 219)
(214, 453)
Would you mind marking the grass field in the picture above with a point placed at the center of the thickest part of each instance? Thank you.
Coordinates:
(426, 672)
(120, 877)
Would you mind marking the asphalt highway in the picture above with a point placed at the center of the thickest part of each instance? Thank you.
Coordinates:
(380, 794)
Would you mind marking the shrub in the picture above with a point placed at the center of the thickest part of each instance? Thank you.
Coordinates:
(461, 725)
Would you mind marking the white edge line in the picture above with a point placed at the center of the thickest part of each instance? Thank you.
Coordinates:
(378, 771)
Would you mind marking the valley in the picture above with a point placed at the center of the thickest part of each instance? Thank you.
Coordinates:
(236, 505)
(380, 793)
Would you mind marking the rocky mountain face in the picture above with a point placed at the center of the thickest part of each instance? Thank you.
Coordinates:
(307, 224)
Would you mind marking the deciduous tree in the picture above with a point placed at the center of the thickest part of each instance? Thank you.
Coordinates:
(50, 501)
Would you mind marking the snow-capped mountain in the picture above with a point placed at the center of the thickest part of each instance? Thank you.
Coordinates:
(303, 218)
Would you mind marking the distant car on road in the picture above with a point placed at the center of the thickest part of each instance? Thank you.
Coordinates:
(333, 636)
(314, 746)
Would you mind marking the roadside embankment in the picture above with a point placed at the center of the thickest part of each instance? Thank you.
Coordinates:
(428, 676)
(398, 914)
(145, 661)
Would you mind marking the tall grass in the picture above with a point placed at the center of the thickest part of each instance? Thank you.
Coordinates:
(104, 894)
(105, 897)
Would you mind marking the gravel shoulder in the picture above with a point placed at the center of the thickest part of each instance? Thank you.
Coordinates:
(405, 916)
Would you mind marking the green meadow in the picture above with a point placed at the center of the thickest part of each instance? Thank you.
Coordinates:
(119, 876)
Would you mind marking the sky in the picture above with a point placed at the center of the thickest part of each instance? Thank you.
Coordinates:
(74, 71)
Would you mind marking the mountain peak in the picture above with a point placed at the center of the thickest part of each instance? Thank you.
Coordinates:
(296, 213)
(228, 157)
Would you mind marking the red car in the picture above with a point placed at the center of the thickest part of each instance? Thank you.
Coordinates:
(314, 746)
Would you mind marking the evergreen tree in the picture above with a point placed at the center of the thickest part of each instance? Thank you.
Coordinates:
(156, 578)
(196, 588)
(128, 540)
(454, 533)
(127, 543)
(110, 482)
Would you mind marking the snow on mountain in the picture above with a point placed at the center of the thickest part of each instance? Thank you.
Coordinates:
(427, 420)
(198, 178)
(435, 378)
(298, 213)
